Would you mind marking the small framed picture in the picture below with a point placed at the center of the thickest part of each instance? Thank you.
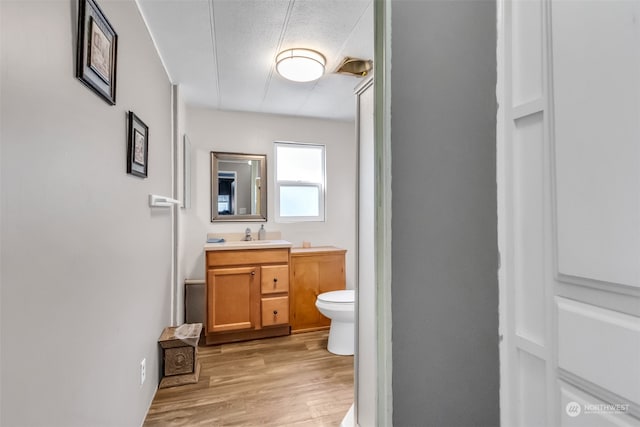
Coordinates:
(137, 146)
(96, 51)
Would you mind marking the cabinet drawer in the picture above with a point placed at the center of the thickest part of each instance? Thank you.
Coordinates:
(247, 257)
(274, 279)
(275, 311)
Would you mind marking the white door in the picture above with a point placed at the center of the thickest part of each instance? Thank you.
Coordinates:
(569, 212)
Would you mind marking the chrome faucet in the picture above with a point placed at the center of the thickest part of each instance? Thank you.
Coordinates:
(247, 235)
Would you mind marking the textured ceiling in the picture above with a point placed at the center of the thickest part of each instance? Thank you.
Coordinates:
(222, 52)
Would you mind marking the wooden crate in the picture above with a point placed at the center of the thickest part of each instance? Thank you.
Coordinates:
(179, 354)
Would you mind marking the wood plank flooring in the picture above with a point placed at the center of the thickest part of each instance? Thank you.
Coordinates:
(284, 381)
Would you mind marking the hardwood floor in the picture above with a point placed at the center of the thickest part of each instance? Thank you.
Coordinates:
(285, 381)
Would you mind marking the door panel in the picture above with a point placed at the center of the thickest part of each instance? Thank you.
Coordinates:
(600, 346)
(529, 260)
(532, 391)
(527, 51)
(590, 414)
(597, 154)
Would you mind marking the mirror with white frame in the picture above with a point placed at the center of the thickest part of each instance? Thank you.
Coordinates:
(238, 187)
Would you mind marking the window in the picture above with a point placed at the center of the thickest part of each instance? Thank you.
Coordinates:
(300, 177)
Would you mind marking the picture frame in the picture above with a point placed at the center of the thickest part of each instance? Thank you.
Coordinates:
(97, 48)
(137, 146)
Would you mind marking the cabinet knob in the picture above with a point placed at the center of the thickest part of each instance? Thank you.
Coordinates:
(275, 312)
(253, 273)
(275, 279)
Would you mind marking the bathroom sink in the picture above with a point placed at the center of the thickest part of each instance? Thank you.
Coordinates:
(252, 242)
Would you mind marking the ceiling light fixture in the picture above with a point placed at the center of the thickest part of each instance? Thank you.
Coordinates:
(300, 65)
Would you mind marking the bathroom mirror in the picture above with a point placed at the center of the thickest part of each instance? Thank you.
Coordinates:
(238, 187)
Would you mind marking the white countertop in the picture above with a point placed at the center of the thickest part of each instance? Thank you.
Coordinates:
(252, 244)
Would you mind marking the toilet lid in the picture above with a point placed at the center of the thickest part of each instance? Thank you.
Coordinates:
(346, 296)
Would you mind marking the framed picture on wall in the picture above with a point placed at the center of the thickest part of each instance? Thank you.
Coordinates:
(96, 51)
(137, 146)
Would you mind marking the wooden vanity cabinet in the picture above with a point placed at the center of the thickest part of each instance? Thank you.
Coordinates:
(247, 294)
(313, 271)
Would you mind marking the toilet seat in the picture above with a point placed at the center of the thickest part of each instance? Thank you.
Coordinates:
(347, 296)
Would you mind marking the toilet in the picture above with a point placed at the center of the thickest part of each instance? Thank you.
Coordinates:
(339, 306)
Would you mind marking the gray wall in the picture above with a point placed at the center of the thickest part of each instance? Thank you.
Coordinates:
(85, 278)
(445, 285)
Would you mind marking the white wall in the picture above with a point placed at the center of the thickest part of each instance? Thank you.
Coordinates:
(212, 130)
(85, 277)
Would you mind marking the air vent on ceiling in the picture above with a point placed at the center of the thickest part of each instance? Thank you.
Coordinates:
(355, 67)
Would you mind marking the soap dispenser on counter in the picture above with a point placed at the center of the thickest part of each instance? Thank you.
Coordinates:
(262, 233)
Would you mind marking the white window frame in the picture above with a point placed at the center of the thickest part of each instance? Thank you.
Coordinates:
(321, 185)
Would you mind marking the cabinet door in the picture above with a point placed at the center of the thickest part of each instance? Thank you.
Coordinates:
(274, 278)
(306, 279)
(231, 299)
(312, 275)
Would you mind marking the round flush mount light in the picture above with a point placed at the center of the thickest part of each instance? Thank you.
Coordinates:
(300, 65)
